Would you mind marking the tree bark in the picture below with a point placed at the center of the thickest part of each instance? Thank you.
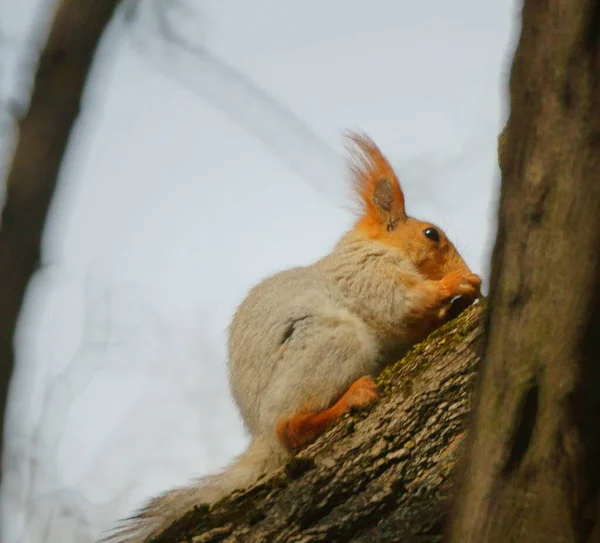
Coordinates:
(44, 132)
(532, 465)
(378, 475)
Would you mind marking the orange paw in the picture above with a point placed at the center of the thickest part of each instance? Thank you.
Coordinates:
(361, 393)
(300, 429)
(459, 284)
(474, 280)
(294, 432)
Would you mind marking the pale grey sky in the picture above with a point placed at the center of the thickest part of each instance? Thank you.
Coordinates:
(181, 191)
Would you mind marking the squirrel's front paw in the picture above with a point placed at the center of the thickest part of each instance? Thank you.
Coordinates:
(474, 280)
(459, 284)
(361, 393)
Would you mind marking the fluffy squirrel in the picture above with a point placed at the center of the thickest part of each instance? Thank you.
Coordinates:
(306, 343)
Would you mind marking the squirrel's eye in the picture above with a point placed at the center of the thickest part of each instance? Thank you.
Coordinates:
(432, 234)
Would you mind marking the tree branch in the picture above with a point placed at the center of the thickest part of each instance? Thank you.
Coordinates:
(44, 133)
(381, 475)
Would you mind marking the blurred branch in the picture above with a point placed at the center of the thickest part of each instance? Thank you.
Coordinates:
(189, 61)
(58, 398)
(236, 95)
(44, 133)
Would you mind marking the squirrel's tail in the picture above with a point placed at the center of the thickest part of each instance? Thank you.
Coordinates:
(262, 456)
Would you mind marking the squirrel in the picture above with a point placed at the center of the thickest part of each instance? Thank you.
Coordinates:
(305, 345)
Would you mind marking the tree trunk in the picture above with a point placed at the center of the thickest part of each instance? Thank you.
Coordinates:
(43, 136)
(380, 475)
(532, 466)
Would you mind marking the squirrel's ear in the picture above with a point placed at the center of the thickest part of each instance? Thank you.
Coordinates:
(375, 182)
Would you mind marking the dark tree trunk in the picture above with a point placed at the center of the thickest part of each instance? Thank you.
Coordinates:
(44, 133)
(532, 466)
(381, 475)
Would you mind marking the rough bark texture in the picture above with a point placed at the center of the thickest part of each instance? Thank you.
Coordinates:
(532, 470)
(380, 475)
(43, 136)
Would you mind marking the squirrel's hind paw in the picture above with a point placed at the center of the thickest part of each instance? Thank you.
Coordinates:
(303, 427)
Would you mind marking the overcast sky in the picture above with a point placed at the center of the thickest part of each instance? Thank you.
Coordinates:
(191, 178)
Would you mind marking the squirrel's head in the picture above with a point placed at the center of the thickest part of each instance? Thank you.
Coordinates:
(384, 216)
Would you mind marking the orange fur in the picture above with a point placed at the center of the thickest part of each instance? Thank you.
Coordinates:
(368, 166)
(303, 427)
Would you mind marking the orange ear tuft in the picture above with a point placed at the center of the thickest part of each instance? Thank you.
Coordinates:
(375, 182)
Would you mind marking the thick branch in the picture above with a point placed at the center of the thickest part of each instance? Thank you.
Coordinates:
(43, 136)
(382, 475)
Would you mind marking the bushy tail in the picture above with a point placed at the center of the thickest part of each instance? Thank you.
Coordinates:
(262, 456)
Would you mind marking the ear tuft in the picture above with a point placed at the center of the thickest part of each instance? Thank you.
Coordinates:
(375, 182)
